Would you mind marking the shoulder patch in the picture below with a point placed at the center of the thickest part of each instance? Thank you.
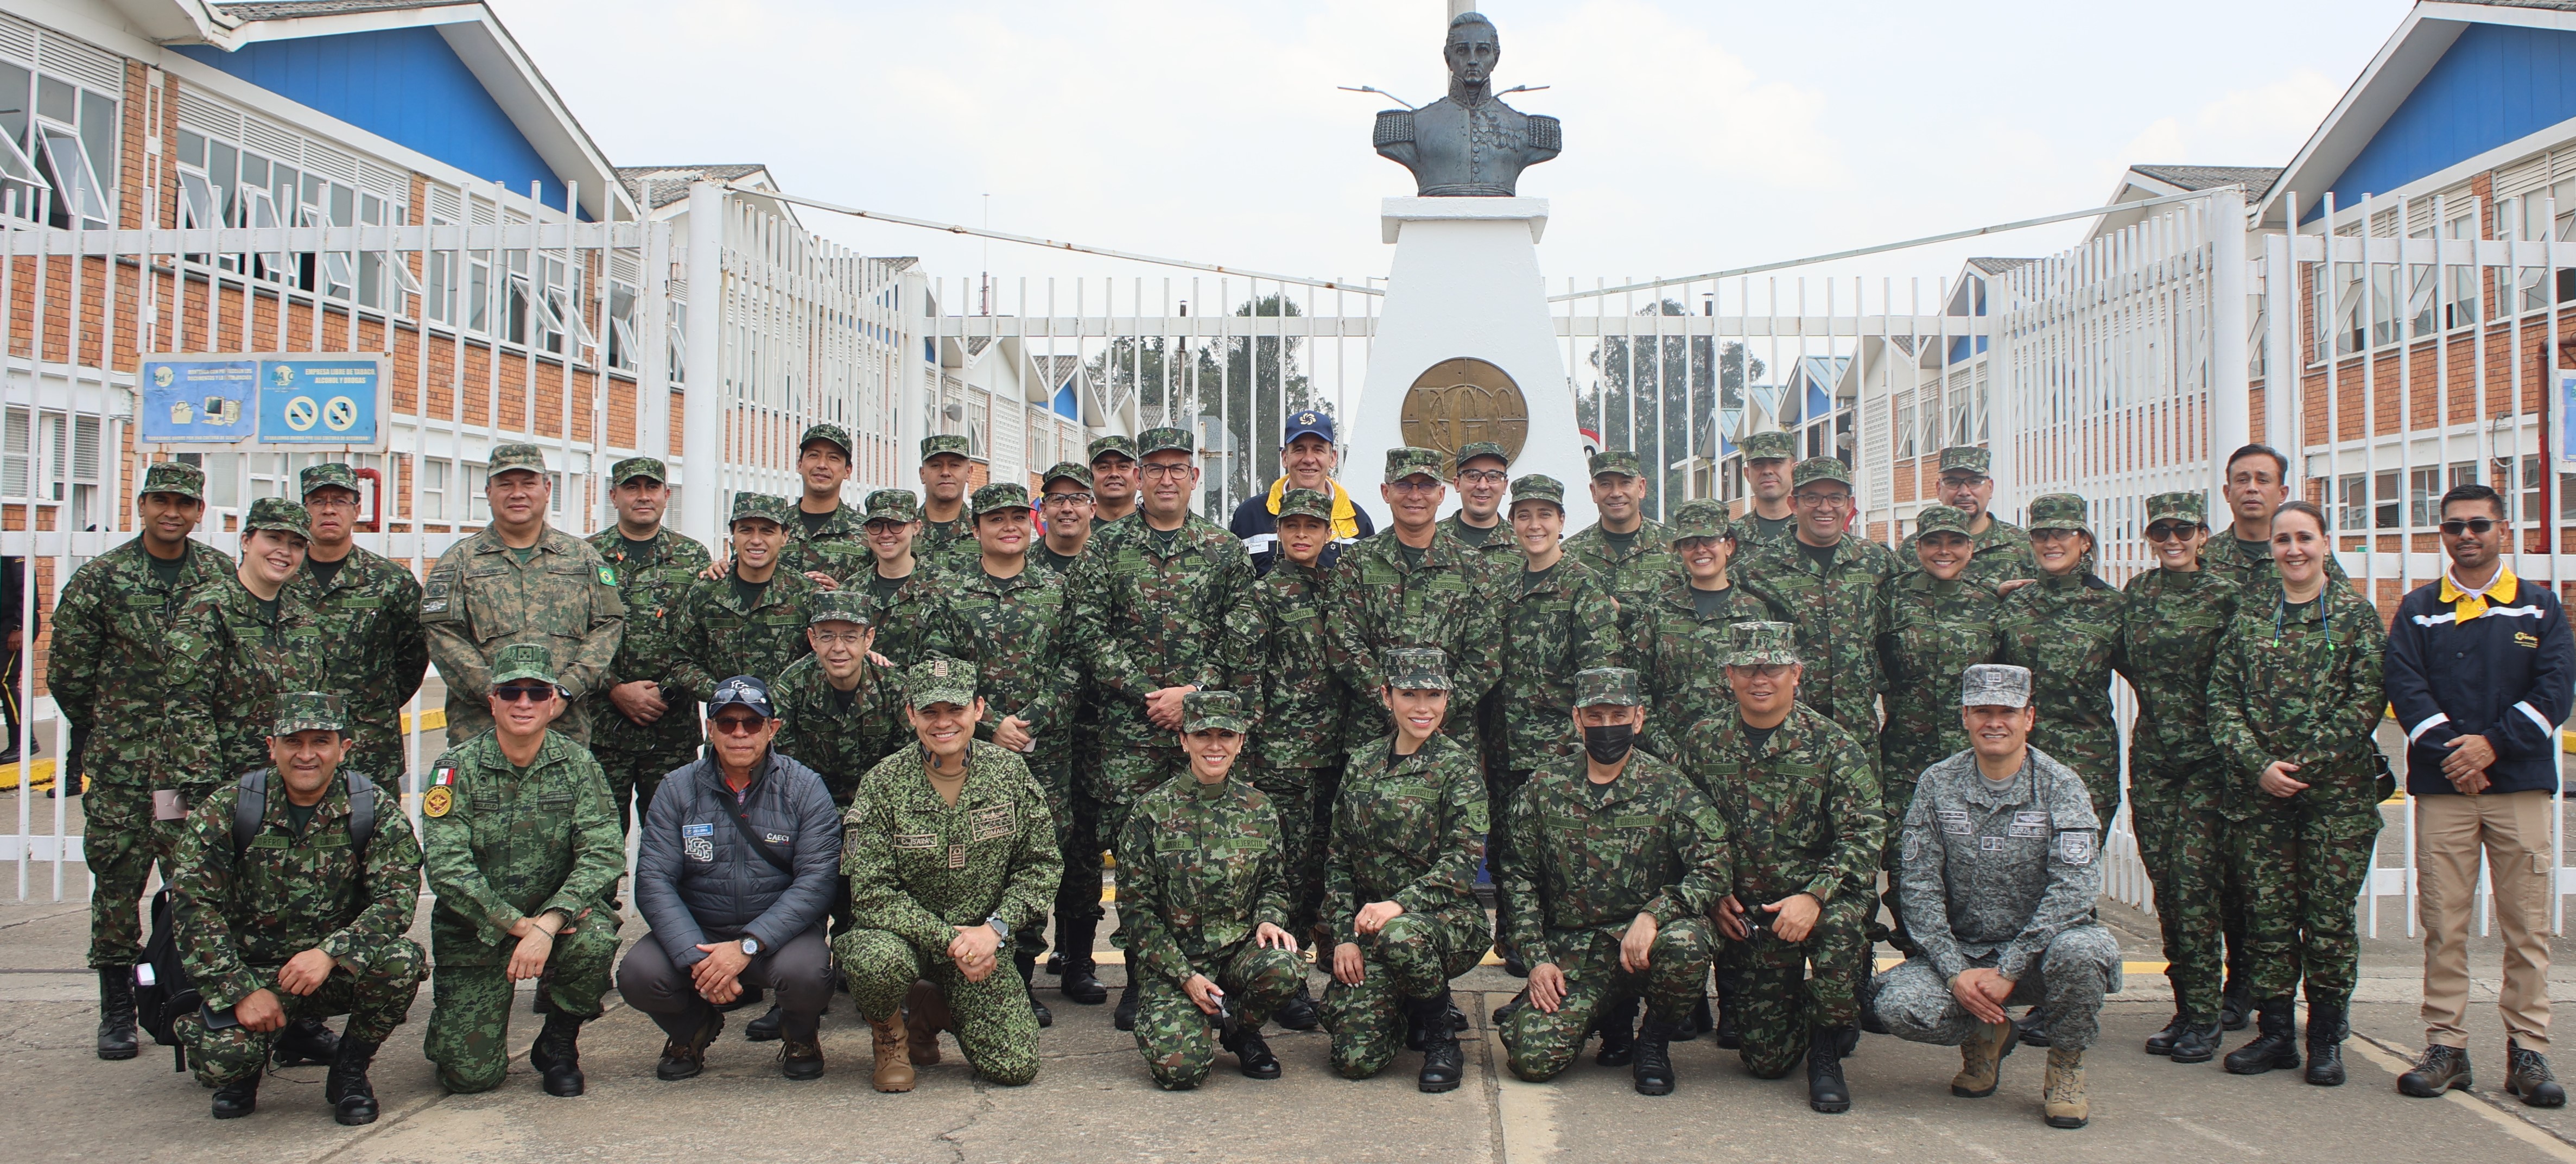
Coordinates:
(2076, 846)
(438, 801)
(607, 575)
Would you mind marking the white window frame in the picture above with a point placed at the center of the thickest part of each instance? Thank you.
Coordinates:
(83, 177)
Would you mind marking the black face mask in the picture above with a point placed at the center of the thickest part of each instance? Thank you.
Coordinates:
(1609, 744)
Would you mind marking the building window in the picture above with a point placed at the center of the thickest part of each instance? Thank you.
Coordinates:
(430, 492)
(477, 506)
(59, 165)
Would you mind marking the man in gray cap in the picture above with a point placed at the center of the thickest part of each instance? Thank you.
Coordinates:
(640, 734)
(2001, 868)
(521, 581)
(150, 743)
(1484, 470)
(1769, 458)
(1999, 551)
(369, 610)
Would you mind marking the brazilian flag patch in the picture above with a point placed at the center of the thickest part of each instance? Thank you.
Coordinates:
(607, 575)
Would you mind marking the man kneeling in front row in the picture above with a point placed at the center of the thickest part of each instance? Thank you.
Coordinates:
(2000, 876)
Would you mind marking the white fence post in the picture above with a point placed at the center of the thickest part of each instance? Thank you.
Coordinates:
(702, 427)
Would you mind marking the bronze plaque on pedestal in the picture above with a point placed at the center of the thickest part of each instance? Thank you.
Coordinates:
(1460, 401)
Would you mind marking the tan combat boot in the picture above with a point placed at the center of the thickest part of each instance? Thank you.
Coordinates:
(894, 1067)
(2063, 1099)
(1981, 1060)
(925, 1015)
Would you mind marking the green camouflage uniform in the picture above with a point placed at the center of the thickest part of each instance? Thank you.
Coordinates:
(1201, 868)
(259, 650)
(1680, 656)
(1998, 555)
(1635, 573)
(921, 868)
(839, 740)
(133, 689)
(509, 845)
(1840, 611)
(1804, 815)
(947, 544)
(240, 919)
(2251, 573)
(652, 585)
(482, 597)
(719, 638)
(840, 547)
(2066, 629)
(1411, 830)
(1498, 541)
(1936, 630)
(1280, 665)
(374, 655)
(1589, 859)
(1381, 600)
(1554, 623)
(2305, 686)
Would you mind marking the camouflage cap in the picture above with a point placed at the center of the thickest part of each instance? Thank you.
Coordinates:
(1768, 445)
(1972, 458)
(309, 711)
(851, 605)
(523, 661)
(825, 432)
(1212, 711)
(2058, 511)
(1475, 449)
(932, 446)
(2184, 506)
(1306, 503)
(1615, 461)
(1404, 461)
(892, 505)
(278, 513)
(1617, 686)
(939, 679)
(1761, 644)
(516, 456)
(1103, 446)
(999, 496)
(1157, 440)
(331, 476)
(1942, 519)
(763, 507)
(1539, 487)
(1994, 685)
(174, 477)
(650, 468)
(1074, 471)
(1815, 469)
(1703, 518)
(1417, 669)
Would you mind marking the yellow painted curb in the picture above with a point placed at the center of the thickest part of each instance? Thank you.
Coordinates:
(430, 720)
(42, 777)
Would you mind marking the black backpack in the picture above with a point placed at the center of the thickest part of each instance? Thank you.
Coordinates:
(163, 989)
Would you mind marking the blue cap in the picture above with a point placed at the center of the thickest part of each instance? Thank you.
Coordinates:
(1309, 421)
(745, 690)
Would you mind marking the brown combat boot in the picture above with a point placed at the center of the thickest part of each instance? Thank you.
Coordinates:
(925, 1015)
(1981, 1060)
(2062, 1098)
(894, 1068)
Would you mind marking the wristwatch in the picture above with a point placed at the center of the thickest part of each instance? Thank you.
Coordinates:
(1001, 929)
(750, 946)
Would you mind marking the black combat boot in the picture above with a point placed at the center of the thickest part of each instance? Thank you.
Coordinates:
(2197, 1041)
(239, 1097)
(1826, 1091)
(1700, 1020)
(303, 1041)
(557, 1054)
(2276, 1043)
(2162, 1042)
(1653, 1068)
(1503, 1014)
(1027, 961)
(2235, 1003)
(1251, 1052)
(1618, 1027)
(1443, 1063)
(768, 1028)
(346, 1089)
(1072, 964)
(1125, 1017)
(2327, 1026)
(116, 1015)
(2032, 1027)
(1730, 998)
(1298, 1013)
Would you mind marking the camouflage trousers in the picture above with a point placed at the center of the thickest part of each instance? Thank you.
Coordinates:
(1176, 1037)
(1294, 794)
(1789, 988)
(2302, 873)
(469, 1015)
(1077, 896)
(2081, 964)
(635, 759)
(1500, 787)
(991, 1019)
(1540, 1045)
(1414, 956)
(374, 987)
(1127, 774)
(2199, 883)
(120, 841)
(1056, 777)
(1897, 797)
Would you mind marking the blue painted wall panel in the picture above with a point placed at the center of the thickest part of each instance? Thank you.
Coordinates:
(1065, 404)
(2495, 85)
(403, 84)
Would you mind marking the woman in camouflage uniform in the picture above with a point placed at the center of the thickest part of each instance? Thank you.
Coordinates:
(1940, 622)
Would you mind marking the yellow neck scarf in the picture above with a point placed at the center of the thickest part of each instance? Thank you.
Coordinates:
(1346, 517)
(2469, 604)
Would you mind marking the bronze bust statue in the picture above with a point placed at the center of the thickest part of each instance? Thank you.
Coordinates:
(1468, 144)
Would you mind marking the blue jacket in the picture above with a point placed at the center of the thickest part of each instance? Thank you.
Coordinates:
(2507, 674)
(698, 880)
(1259, 528)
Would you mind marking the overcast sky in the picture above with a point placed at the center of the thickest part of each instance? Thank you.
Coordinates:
(1698, 136)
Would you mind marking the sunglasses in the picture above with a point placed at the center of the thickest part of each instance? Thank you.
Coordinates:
(2166, 531)
(738, 725)
(516, 694)
(2480, 526)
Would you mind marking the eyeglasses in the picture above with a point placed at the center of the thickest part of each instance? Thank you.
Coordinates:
(1411, 486)
(1827, 500)
(331, 503)
(738, 725)
(516, 694)
(1068, 498)
(830, 639)
(1765, 670)
(2480, 526)
(1483, 477)
(2167, 531)
(1167, 472)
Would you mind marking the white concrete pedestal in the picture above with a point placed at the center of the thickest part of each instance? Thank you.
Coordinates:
(1466, 282)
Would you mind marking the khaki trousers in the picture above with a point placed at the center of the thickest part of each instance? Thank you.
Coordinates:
(2513, 830)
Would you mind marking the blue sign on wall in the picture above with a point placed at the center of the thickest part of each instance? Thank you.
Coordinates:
(319, 401)
(199, 400)
(2567, 416)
